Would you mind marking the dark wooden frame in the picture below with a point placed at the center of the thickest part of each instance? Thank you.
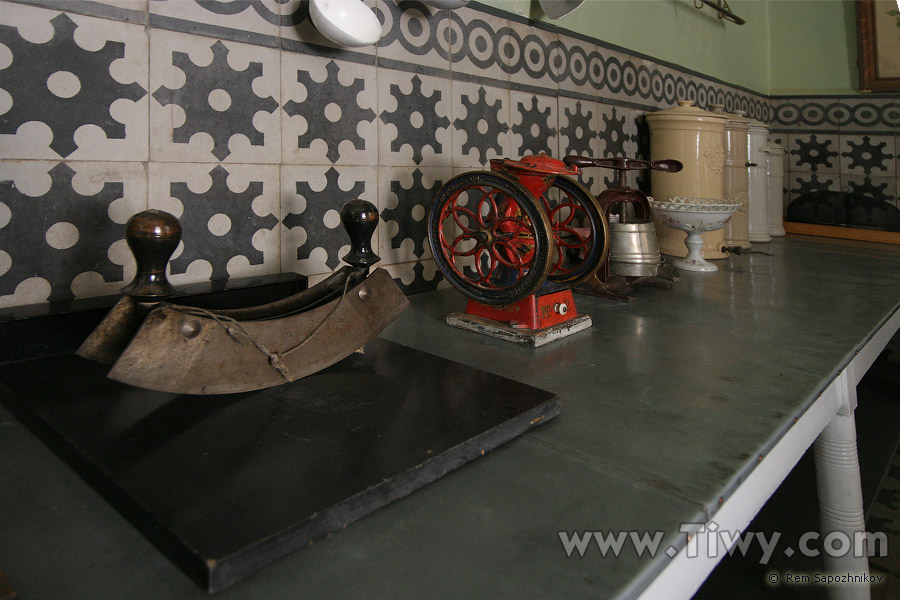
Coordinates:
(868, 51)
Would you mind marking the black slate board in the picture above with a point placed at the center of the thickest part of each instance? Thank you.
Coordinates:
(225, 485)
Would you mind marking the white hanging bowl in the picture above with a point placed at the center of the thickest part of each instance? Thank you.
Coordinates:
(345, 22)
(556, 9)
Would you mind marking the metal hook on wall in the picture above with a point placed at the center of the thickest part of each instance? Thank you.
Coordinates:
(723, 10)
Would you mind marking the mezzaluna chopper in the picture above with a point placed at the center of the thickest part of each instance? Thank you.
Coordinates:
(160, 345)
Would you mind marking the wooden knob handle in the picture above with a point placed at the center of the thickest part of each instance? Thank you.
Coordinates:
(152, 236)
(360, 219)
(668, 165)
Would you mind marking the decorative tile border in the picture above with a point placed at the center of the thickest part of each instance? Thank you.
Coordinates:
(848, 113)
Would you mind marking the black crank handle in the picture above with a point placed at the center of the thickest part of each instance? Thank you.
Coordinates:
(625, 164)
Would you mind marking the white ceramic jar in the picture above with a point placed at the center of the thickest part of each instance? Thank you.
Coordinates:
(775, 185)
(737, 180)
(758, 184)
(695, 137)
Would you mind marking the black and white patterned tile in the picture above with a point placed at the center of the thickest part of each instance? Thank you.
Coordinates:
(213, 100)
(537, 60)
(582, 69)
(849, 114)
(125, 11)
(479, 45)
(880, 188)
(799, 184)
(667, 85)
(415, 119)
(405, 196)
(534, 124)
(71, 86)
(62, 228)
(621, 77)
(870, 155)
(313, 239)
(330, 110)
(252, 21)
(229, 218)
(480, 124)
(897, 153)
(618, 127)
(578, 127)
(417, 277)
(414, 33)
(812, 152)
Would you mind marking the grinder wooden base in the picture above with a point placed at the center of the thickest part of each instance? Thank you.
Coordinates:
(525, 337)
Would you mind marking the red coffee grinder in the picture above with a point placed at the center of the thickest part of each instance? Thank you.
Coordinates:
(513, 240)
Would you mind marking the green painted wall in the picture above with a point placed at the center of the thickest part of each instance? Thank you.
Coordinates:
(813, 47)
(786, 46)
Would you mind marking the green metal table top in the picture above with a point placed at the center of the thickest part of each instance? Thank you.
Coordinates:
(667, 404)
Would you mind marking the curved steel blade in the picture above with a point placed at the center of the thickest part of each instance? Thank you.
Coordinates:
(184, 351)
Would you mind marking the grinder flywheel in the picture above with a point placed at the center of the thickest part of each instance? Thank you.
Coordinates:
(513, 240)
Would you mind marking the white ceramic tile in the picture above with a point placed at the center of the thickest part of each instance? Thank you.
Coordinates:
(883, 188)
(868, 114)
(413, 33)
(534, 63)
(812, 152)
(418, 276)
(667, 86)
(94, 108)
(313, 240)
(802, 183)
(535, 124)
(478, 43)
(575, 74)
(616, 126)
(414, 125)
(619, 77)
(259, 17)
(229, 217)
(481, 128)
(213, 100)
(868, 154)
(405, 197)
(578, 132)
(62, 228)
(329, 111)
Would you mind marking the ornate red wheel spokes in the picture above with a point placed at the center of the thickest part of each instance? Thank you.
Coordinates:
(494, 248)
(573, 235)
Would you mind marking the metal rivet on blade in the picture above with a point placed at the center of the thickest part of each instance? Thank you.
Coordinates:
(190, 328)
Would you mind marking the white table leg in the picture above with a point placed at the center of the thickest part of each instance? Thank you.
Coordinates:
(841, 506)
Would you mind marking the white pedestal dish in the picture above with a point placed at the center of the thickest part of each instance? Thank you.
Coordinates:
(694, 216)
